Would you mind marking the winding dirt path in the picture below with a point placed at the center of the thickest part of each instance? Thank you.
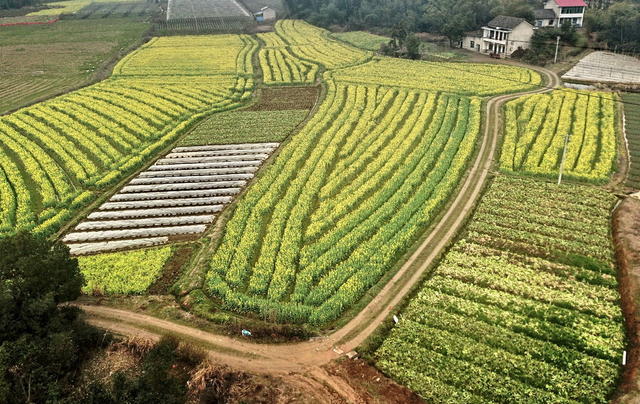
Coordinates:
(301, 363)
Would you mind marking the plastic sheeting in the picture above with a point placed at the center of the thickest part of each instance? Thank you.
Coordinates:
(146, 222)
(85, 236)
(106, 246)
(140, 213)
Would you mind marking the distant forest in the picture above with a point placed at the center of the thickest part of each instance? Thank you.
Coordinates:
(6, 4)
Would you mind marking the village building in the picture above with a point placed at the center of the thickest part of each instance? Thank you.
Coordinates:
(500, 37)
(571, 11)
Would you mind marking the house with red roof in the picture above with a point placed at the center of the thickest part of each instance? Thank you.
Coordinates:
(558, 12)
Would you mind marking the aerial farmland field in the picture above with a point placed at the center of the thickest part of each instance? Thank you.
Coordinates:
(524, 311)
(538, 127)
(293, 185)
(39, 61)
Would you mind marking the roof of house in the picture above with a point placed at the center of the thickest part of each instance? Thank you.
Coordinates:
(477, 33)
(503, 21)
(571, 3)
(544, 14)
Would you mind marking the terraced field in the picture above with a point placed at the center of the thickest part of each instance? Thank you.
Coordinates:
(539, 126)
(280, 66)
(55, 155)
(524, 309)
(176, 198)
(314, 45)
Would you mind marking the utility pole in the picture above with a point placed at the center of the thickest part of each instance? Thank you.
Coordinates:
(555, 58)
(564, 155)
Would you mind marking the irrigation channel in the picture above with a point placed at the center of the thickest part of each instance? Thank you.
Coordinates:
(301, 363)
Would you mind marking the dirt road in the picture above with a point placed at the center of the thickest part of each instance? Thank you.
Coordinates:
(303, 361)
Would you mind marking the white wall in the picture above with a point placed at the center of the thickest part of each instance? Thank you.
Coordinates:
(520, 37)
(477, 42)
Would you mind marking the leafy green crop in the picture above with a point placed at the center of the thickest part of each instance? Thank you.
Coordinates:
(127, 272)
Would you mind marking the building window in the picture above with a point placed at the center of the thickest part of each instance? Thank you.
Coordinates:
(571, 10)
(550, 22)
(473, 45)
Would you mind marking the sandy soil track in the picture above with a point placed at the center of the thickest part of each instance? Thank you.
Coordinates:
(301, 363)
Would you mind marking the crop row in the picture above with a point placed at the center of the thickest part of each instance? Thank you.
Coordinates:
(313, 44)
(280, 66)
(499, 323)
(468, 79)
(130, 272)
(539, 126)
(282, 257)
(53, 153)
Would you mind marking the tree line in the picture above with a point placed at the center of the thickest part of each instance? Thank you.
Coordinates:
(8, 4)
(618, 24)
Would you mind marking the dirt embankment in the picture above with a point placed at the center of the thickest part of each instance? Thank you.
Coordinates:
(626, 236)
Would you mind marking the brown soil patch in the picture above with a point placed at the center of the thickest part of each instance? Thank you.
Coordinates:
(626, 235)
(172, 270)
(370, 384)
(286, 98)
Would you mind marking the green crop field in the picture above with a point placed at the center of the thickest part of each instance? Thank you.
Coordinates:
(39, 61)
(301, 228)
(524, 309)
(130, 272)
(363, 39)
(53, 154)
(538, 126)
(245, 127)
(632, 126)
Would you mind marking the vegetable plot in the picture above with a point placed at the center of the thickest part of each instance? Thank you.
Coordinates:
(363, 39)
(344, 199)
(524, 309)
(177, 197)
(632, 129)
(53, 153)
(129, 272)
(538, 126)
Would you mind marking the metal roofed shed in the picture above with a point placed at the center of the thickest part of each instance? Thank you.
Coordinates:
(265, 14)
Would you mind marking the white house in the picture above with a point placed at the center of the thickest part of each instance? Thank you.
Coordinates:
(502, 36)
(265, 14)
(571, 11)
(473, 40)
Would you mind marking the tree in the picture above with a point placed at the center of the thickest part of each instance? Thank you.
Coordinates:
(514, 8)
(622, 25)
(41, 342)
(413, 47)
(452, 18)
